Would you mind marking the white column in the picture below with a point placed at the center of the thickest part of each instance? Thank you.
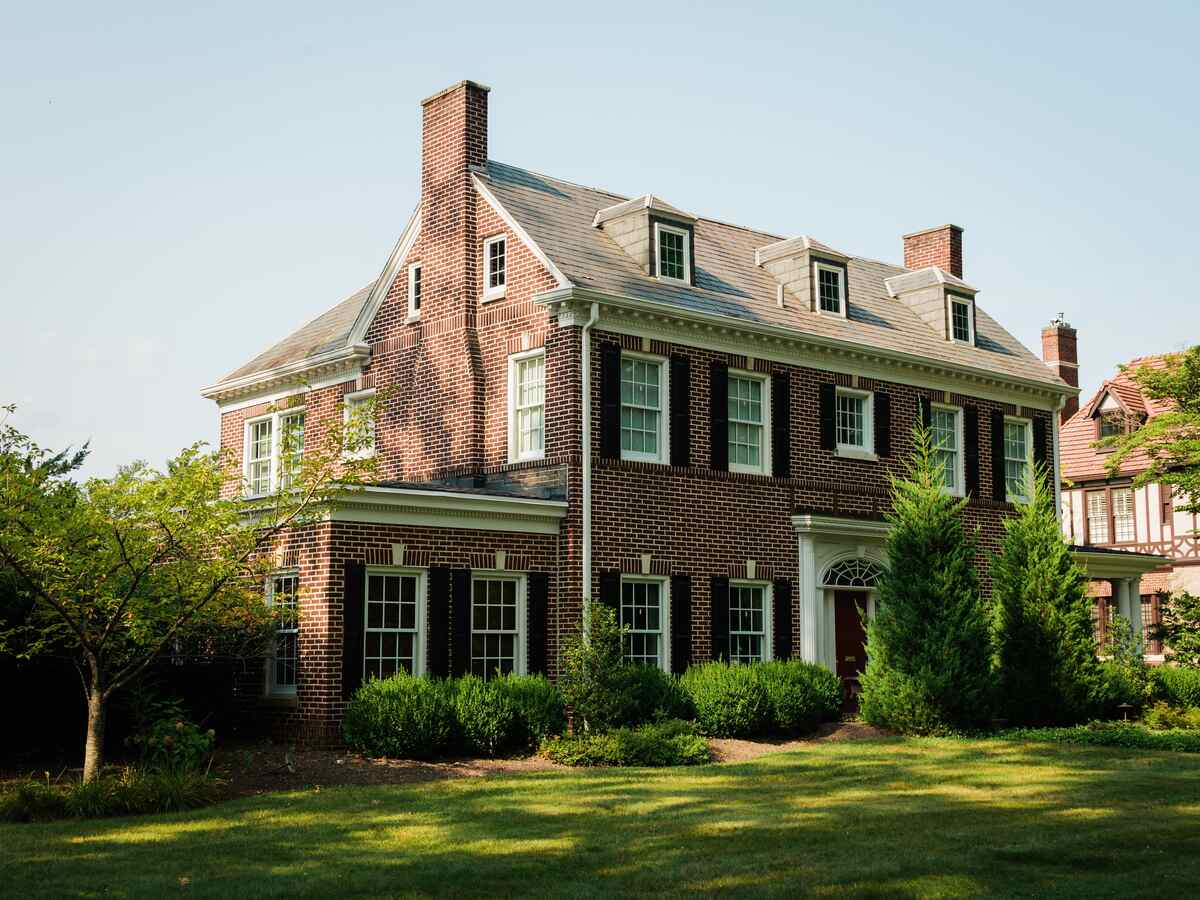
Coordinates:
(811, 602)
(1133, 590)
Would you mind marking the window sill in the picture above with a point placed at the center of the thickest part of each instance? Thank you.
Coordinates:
(281, 699)
(498, 294)
(748, 470)
(410, 319)
(857, 453)
(528, 457)
(667, 280)
(653, 460)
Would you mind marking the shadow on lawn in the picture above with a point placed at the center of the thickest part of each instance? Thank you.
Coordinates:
(887, 818)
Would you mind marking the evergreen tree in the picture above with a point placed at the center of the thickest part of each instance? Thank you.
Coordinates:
(928, 649)
(1047, 667)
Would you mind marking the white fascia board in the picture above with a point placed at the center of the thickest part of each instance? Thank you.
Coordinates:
(663, 321)
(520, 232)
(446, 509)
(321, 370)
(1117, 565)
(383, 284)
(833, 526)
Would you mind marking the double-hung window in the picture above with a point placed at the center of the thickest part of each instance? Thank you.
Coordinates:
(674, 252)
(497, 624)
(749, 403)
(1124, 524)
(853, 424)
(414, 291)
(260, 455)
(945, 425)
(644, 616)
(495, 267)
(643, 393)
(273, 451)
(359, 414)
(1097, 517)
(831, 289)
(283, 594)
(291, 447)
(394, 624)
(749, 623)
(527, 406)
(1017, 444)
(962, 325)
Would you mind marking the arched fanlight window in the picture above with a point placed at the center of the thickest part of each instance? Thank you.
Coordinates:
(853, 573)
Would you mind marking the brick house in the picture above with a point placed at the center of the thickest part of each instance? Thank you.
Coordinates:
(1106, 511)
(591, 397)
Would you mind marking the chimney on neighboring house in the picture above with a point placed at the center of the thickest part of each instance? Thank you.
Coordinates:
(941, 247)
(1061, 353)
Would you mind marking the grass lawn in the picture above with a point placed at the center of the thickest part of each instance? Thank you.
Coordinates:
(882, 818)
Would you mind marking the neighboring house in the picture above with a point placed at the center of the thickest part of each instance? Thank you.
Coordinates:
(1104, 510)
(591, 397)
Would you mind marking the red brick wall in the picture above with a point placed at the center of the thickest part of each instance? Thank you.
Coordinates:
(940, 247)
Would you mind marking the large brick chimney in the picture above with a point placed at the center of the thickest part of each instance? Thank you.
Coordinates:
(1060, 352)
(941, 247)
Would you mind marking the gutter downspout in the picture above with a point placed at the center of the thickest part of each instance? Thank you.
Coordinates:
(585, 340)
(1062, 402)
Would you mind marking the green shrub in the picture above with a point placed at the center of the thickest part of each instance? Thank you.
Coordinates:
(801, 695)
(1177, 686)
(651, 695)
(594, 674)
(174, 744)
(487, 720)
(401, 716)
(33, 801)
(541, 712)
(730, 700)
(1111, 734)
(1164, 717)
(669, 743)
(132, 792)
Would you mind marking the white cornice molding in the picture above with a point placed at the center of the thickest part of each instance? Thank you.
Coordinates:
(321, 370)
(366, 315)
(835, 526)
(520, 232)
(795, 246)
(447, 509)
(674, 324)
(640, 204)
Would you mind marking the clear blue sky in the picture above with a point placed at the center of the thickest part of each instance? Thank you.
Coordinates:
(178, 190)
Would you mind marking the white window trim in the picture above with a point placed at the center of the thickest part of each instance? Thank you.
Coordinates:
(867, 450)
(768, 589)
(819, 267)
(420, 653)
(513, 438)
(764, 466)
(275, 419)
(349, 400)
(660, 227)
(414, 312)
(959, 466)
(664, 413)
(273, 689)
(951, 299)
(1028, 424)
(664, 594)
(521, 663)
(494, 293)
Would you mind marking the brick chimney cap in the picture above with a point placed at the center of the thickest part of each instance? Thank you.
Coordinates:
(1058, 322)
(957, 228)
(466, 82)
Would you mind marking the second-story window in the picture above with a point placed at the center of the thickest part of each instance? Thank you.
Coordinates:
(359, 416)
(674, 252)
(1124, 524)
(1097, 517)
(944, 426)
(273, 450)
(527, 406)
(260, 456)
(291, 447)
(642, 394)
(831, 289)
(495, 261)
(961, 327)
(747, 423)
(854, 429)
(1016, 459)
(414, 291)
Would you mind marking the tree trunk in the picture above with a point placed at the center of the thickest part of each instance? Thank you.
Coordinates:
(93, 748)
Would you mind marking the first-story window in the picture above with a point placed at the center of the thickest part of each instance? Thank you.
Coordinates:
(642, 394)
(393, 628)
(644, 615)
(1016, 459)
(496, 620)
(853, 421)
(747, 419)
(527, 406)
(283, 595)
(749, 614)
(944, 426)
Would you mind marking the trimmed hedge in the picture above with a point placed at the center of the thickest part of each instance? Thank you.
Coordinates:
(401, 716)
(669, 743)
(651, 695)
(778, 697)
(487, 720)
(541, 712)
(1177, 686)
(801, 695)
(1111, 734)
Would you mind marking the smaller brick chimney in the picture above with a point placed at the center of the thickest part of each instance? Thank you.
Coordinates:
(1061, 353)
(941, 247)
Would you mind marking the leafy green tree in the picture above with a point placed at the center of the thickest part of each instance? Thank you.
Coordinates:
(928, 649)
(116, 572)
(1179, 629)
(1171, 439)
(1047, 668)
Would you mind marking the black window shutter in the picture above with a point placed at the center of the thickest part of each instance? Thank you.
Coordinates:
(610, 402)
(924, 412)
(1040, 451)
(681, 623)
(783, 618)
(883, 424)
(999, 485)
(681, 418)
(718, 413)
(971, 449)
(828, 413)
(437, 656)
(460, 602)
(781, 425)
(720, 617)
(537, 599)
(354, 588)
(610, 591)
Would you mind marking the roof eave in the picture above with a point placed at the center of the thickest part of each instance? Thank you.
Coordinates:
(329, 362)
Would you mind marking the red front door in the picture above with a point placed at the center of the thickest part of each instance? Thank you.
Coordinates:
(850, 635)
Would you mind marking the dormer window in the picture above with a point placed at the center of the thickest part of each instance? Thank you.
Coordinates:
(831, 289)
(674, 252)
(1111, 424)
(495, 265)
(962, 320)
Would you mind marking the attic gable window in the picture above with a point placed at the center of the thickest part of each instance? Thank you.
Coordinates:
(414, 291)
(674, 252)
(962, 322)
(495, 260)
(831, 289)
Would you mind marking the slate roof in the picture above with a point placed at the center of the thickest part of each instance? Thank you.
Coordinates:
(558, 216)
